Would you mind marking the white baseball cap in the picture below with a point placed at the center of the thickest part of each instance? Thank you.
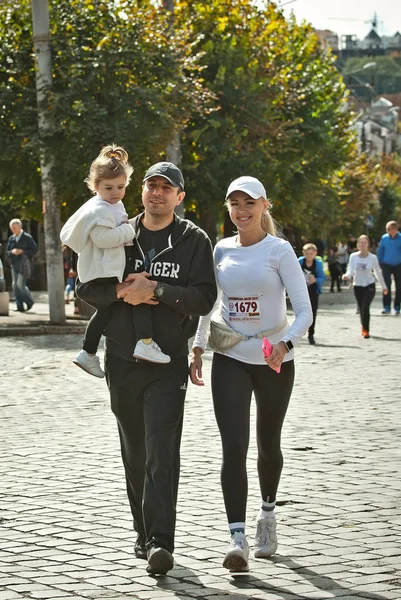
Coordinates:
(249, 185)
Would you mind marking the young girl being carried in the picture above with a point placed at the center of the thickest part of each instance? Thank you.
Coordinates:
(98, 232)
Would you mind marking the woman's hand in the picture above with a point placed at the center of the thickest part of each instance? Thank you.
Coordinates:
(277, 356)
(385, 291)
(195, 366)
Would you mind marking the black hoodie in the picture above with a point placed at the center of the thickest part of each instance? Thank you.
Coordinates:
(186, 268)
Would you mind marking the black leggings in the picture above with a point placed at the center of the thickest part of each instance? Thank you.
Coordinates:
(232, 385)
(364, 296)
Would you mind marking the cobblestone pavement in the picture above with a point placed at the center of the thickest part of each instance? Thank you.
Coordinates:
(65, 527)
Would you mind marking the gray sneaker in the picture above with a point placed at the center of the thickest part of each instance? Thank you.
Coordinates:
(236, 559)
(90, 364)
(266, 537)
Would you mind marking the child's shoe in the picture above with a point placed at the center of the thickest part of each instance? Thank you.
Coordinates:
(150, 352)
(365, 334)
(89, 363)
(236, 559)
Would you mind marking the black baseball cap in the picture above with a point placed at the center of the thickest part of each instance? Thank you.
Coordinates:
(167, 170)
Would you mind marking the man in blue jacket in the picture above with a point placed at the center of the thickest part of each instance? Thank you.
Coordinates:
(389, 257)
(21, 247)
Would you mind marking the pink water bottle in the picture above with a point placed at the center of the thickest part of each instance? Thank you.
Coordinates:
(267, 349)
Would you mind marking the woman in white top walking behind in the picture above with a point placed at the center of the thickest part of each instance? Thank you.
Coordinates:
(253, 270)
(361, 266)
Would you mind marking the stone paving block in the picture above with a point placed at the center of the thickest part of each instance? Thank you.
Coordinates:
(10, 595)
(47, 594)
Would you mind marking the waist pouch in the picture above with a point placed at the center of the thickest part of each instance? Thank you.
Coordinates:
(222, 336)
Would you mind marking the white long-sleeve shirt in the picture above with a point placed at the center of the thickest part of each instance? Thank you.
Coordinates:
(361, 269)
(252, 281)
(97, 233)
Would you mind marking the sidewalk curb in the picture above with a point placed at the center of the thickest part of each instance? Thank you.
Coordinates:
(41, 330)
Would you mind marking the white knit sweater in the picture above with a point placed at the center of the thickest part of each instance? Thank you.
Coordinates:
(99, 241)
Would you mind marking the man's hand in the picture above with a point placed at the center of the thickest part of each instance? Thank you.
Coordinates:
(17, 251)
(133, 276)
(137, 289)
(195, 366)
(129, 279)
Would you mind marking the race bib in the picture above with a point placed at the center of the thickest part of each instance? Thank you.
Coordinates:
(244, 308)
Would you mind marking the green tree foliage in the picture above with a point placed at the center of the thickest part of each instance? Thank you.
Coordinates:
(390, 197)
(251, 93)
(117, 78)
(280, 115)
(384, 77)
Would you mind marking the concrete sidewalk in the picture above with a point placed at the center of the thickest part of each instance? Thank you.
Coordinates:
(36, 321)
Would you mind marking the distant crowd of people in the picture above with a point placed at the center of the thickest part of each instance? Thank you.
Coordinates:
(354, 264)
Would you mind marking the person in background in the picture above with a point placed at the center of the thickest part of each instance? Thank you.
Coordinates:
(2, 280)
(21, 247)
(334, 268)
(389, 256)
(362, 264)
(314, 277)
(254, 268)
(342, 256)
(70, 285)
(351, 244)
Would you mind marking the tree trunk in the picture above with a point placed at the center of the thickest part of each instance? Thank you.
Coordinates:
(208, 224)
(173, 154)
(173, 150)
(51, 210)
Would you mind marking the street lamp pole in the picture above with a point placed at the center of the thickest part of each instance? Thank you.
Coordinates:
(51, 210)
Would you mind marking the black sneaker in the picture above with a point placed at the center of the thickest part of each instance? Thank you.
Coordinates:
(160, 560)
(140, 548)
(311, 340)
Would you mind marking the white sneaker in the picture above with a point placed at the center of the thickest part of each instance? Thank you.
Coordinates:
(150, 352)
(90, 364)
(266, 537)
(236, 559)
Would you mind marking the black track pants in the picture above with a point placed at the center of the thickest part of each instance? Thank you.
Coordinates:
(148, 403)
(314, 301)
(232, 385)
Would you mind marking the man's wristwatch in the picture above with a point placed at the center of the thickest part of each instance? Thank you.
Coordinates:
(159, 290)
(289, 345)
